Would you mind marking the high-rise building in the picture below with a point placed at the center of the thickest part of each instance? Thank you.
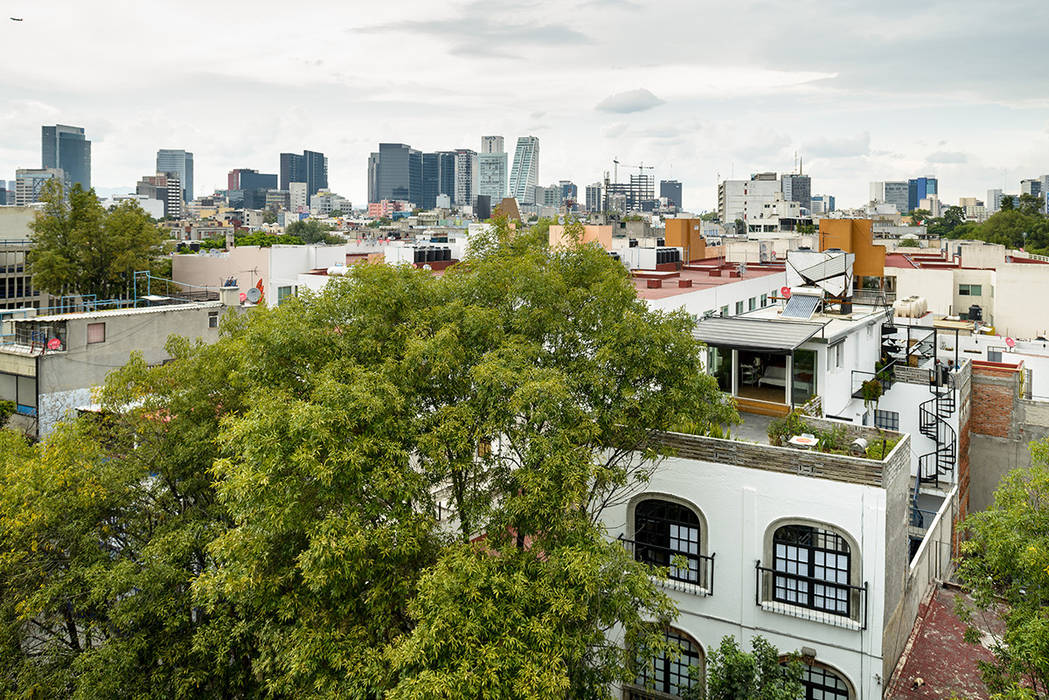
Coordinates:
(373, 177)
(29, 183)
(797, 188)
(400, 173)
(311, 167)
(176, 160)
(822, 203)
(1032, 186)
(247, 188)
(894, 192)
(167, 187)
(671, 189)
(465, 176)
(920, 188)
(994, 200)
(298, 199)
(745, 199)
(491, 168)
(593, 198)
(66, 148)
(524, 175)
(569, 191)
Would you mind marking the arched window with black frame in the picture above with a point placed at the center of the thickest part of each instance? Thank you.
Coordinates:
(812, 569)
(670, 674)
(669, 535)
(822, 683)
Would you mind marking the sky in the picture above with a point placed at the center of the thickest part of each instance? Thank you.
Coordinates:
(700, 90)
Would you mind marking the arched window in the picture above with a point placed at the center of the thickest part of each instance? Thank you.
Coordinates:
(821, 683)
(812, 568)
(670, 674)
(668, 535)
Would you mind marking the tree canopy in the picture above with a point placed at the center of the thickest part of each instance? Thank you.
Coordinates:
(311, 232)
(81, 248)
(733, 674)
(1005, 566)
(391, 488)
(1021, 225)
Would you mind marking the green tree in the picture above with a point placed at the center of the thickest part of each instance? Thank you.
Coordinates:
(269, 217)
(80, 248)
(733, 674)
(1008, 203)
(1005, 567)
(709, 216)
(310, 231)
(393, 488)
(920, 216)
(909, 243)
(266, 240)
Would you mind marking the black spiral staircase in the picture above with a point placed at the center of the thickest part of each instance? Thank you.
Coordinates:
(932, 423)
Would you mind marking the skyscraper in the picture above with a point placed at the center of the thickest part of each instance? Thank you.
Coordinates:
(671, 189)
(918, 189)
(29, 183)
(894, 192)
(400, 173)
(525, 172)
(66, 148)
(311, 167)
(373, 178)
(797, 188)
(492, 171)
(176, 160)
(569, 191)
(465, 176)
(593, 198)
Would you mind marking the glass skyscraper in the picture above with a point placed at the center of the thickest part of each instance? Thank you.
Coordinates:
(918, 189)
(176, 160)
(67, 148)
(524, 175)
(311, 167)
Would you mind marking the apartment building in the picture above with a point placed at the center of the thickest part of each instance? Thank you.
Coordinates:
(16, 279)
(744, 199)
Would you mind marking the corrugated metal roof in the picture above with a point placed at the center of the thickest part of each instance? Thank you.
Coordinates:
(755, 333)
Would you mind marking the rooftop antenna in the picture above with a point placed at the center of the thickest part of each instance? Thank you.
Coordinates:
(801, 163)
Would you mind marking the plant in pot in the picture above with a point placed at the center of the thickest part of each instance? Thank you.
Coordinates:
(871, 390)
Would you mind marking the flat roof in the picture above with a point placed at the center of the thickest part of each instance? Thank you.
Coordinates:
(755, 333)
(700, 279)
(109, 313)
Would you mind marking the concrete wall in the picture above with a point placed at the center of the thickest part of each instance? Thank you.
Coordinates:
(14, 222)
(1019, 303)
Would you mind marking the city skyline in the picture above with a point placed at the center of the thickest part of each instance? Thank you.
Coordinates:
(734, 107)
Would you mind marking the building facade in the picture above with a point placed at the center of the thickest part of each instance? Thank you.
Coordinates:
(524, 175)
(67, 148)
(29, 183)
(310, 167)
(466, 177)
(177, 160)
(920, 188)
(743, 199)
(492, 171)
(894, 192)
(797, 188)
(671, 189)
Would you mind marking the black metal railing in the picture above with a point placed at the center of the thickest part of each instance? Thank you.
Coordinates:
(884, 375)
(695, 572)
(804, 590)
(932, 423)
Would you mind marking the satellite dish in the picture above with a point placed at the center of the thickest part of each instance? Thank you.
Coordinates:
(254, 295)
(54, 344)
(785, 292)
(1010, 343)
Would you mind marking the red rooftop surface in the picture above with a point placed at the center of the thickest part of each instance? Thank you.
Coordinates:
(937, 662)
(697, 277)
(898, 260)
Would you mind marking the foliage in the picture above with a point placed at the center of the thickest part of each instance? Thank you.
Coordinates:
(920, 216)
(783, 429)
(310, 231)
(909, 243)
(269, 217)
(944, 226)
(1005, 567)
(806, 228)
(871, 391)
(732, 673)
(376, 223)
(81, 248)
(709, 216)
(266, 240)
(7, 409)
(302, 509)
(1019, 225)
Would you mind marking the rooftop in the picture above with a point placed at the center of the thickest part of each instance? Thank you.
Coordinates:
(697, 276)
(829, 325)
(110, 313)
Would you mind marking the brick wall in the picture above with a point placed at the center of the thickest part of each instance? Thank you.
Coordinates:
(995, 392)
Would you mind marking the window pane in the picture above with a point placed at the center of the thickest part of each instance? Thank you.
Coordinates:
(96, 333)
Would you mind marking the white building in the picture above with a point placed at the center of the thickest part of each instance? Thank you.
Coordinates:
(29, 183)
(324, 202)
(492, 169)
(153, 207)
(744, 199)
(298, 196)
(524, 175)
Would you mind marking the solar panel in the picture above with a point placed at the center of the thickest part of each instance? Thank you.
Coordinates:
(800, 306)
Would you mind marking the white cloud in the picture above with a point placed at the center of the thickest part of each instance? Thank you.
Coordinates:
(947, 157)
(630, 101)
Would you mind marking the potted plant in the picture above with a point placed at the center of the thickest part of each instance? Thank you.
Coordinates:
(871, 391)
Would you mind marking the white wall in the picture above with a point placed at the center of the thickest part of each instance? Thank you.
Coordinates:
(713, 298)
(739, 505)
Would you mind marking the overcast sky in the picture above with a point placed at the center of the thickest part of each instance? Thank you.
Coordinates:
(860, 90)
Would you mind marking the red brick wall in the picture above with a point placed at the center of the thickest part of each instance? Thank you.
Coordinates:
(995, 389)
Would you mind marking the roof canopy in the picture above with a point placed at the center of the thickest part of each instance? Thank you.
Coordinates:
(755, 333)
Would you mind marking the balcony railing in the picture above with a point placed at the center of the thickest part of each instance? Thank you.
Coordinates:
(846, 604)
(687, 572)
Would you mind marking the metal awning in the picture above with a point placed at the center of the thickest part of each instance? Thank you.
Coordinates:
(762, 334)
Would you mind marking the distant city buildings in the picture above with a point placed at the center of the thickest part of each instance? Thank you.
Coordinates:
(894, 192)
(465, 177)
(594, 203)
(524, 175)
(671, 190)
(921, 188)
(569, 191)
(823, 204)
(167, 187)
(247, 188)
(797, 188)
(311, 167)
(29, 183)
(177, 160)
(994, 200)
(492, 170)
(67, 148)
(743, 199)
